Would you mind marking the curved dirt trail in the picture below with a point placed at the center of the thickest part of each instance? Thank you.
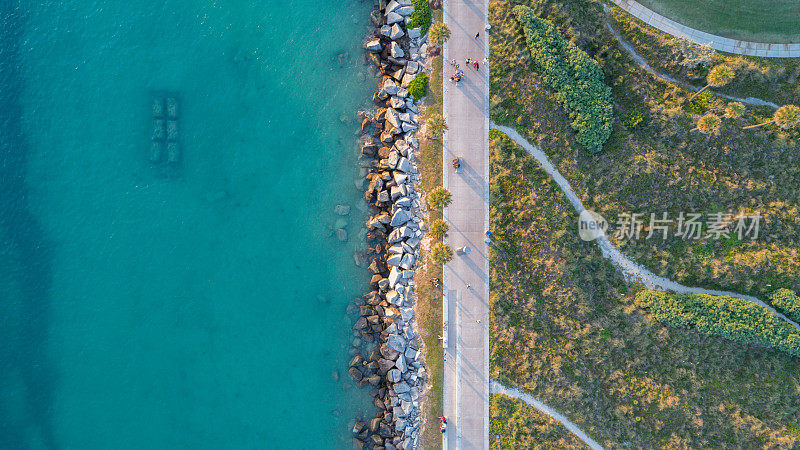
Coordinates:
(629, 268)
(498, 388)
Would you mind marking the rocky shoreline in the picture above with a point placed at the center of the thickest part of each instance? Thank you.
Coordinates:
(395, 230)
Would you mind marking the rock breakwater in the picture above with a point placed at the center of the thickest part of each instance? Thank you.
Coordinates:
(386, 320)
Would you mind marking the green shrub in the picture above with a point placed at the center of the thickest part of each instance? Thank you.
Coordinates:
(421, 17)
(787, 302)
(702, 102)
(731, 318)
(634, 120)
(577, 79)
(418, 87)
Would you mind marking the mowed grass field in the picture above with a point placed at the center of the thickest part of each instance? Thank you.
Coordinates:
(749, 20)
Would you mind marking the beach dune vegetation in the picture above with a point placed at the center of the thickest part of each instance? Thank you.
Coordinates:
(732, 318)
(577, 79)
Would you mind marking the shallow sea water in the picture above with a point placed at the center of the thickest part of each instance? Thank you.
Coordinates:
(197, 306)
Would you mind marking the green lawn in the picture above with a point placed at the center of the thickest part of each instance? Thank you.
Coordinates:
(750, 20)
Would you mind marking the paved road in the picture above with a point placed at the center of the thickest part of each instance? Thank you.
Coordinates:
(466, 371)
(717, 42)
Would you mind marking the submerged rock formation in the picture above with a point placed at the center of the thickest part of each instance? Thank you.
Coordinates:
(394, 232)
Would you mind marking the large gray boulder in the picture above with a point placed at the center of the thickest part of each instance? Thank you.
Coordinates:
(403, 165)
(394, 277)
(393, 18)
(409, 127)
(373, 46)
(408, 261)
(415, 33)
(395, 260)
(401, 364)
(393, 5)
(395, 32)
(397, 102)
(394, 297)
(396, 342)
(407, 79)
(393, 375)
(401, 178)
(404, 10)
(389, 87)
(400, 217)
(396, 51)
(393, 117)
(402, 387)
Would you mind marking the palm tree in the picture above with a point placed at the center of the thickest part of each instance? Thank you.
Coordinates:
(734, 110)
(708, 124)
(435, 126)
(438, 198)
(441, 253)
(439, 228)
(438, 33)
(718, 76)
(785, 117)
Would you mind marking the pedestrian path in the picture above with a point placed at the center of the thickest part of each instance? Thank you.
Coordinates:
(466, 277)
(639, 59)
(498, 388)
(720, 43)
(628, 267)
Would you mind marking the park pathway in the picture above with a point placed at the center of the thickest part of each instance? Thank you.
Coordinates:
(498, 388)
(639, 59)
(466, 277)
(720, 43)
(628, 267)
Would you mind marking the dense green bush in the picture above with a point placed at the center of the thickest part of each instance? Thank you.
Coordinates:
(418, 87)
(787, 302)
(421, 17)
(732, 318)
(576, 78)
(702, 102)
(634, 120)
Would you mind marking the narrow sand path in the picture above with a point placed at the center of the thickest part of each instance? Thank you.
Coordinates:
(629, 268)
(498, 388)
(643, 63)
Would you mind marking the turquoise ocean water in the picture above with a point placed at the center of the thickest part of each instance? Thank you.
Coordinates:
(202, 307)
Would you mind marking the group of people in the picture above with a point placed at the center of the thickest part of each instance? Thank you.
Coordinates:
(443, 426)
(458, 75)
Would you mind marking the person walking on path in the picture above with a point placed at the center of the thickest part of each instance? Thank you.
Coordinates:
(477, 34)
(475, 63)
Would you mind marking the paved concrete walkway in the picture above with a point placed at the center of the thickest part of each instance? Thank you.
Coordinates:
(639, 59)
(498, 388)
(629, 268)
(716, 42)
(466, 277)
